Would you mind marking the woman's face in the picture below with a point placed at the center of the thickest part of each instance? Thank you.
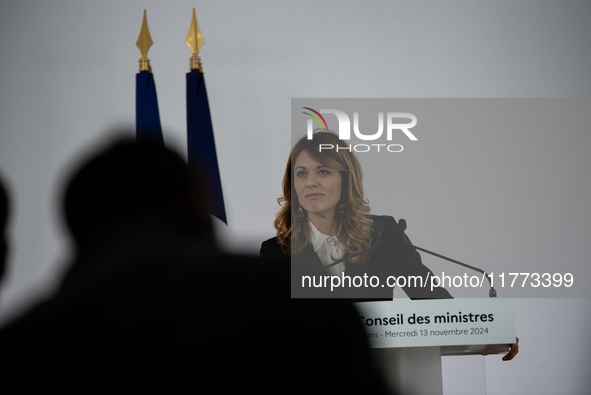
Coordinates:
(317, 186)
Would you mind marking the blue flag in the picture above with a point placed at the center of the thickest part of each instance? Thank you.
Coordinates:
(200, 142)
(147, 117)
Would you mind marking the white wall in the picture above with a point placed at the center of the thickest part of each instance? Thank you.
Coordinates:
(67, 77)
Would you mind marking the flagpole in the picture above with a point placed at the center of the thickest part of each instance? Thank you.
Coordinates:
(195, 41)
(200, 141)
(144, 42)
(147, 115)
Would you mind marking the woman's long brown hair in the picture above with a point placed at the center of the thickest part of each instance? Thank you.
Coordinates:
(354, 226)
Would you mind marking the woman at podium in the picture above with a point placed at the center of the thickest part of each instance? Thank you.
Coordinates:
(336, 247)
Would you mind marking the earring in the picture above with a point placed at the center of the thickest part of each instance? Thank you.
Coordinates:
(341, 210)
(300, 214)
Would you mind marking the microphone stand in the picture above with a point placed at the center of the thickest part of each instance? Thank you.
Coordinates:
(492, 293)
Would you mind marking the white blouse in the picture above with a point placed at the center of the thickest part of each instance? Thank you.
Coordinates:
(327, 248)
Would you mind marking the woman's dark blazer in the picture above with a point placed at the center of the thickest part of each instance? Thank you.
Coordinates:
(393, 256)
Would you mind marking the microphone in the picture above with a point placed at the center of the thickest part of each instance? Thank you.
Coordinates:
(492, 293)
(378, 226)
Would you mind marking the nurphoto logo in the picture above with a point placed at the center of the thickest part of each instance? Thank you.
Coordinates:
(393, 127)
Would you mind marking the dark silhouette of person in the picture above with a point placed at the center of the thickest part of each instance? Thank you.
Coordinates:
(130, 196)
(150, 305)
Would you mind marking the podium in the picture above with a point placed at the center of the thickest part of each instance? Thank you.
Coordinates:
(409, 337)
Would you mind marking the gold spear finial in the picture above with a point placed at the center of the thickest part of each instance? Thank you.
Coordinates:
(195, 41)
(144, 42)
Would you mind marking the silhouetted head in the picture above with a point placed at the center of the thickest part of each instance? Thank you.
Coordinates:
(130, 189)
